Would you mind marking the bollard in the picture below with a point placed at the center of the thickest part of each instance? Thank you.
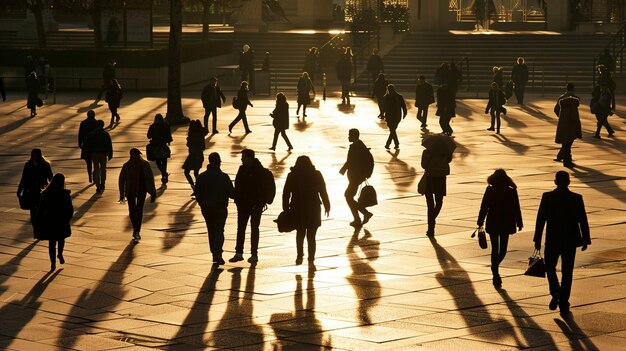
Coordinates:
(324, 85)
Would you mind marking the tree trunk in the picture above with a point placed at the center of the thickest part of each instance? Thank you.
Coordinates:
(174, 102)
(36, 8)
(205, 20)
(96, 15)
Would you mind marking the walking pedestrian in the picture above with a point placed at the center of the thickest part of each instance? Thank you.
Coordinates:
(98, 145)
(88, 125)
(567, 228)
(265, 66)
(498, 75)
(281, 120)
(36, 175)
(424, 96)
(500, 205)
(359, 165)
(442, 73)
(311, 63)
(135, 181)
(446, 106)
(375, 65)
(568, 128)
(33, 100)
(343, 68)
(436, 160)
(250, 204)
(519, 76)
(53, 215)
(601, 108)
(212, 99)
(607, 60)
(213, 189)
(606, 79)
(495, 106)
(108, 73)
(241, 103)
(305, 88)
(395, 111)
(380, 89)
(304, 188)
(196, 146)
(160, 137)
(246, 64)
(113, 97)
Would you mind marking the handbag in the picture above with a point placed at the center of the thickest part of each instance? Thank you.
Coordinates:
(39, 102)
(421, 186)
(367, 197)
(285, 222)
(150, 152)
(536, 265)
(482, 237)
(28, 199)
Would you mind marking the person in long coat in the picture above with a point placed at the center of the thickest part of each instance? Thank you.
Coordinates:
(113, 97)
(160, 136)
(212, 99)
(36, 175)
(395, 111)
(568, 128)
(436, 164)
(495, 106)
(242, 105)
(601, 108)
(424, 96)
(380, 89)
(32, 86)
(500, 205)
(281, 121)
(305, 87)
(344, 74)
(311, 63)
(196, 146)
(519, 76)
(303, 190)
(446, 106)
(54, 214)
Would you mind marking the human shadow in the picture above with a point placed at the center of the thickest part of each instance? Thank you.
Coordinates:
(513, 123)
(14, 125)
(17, 314)
(363, 278)
(75, 194)
(606, 184)
(112, 126)
(579, 341)
(182, 220)
(109, 292)
(208, 143)
(463, 110)
(302, 124)
(84, 208)
(401, 173)
(8, 268)
(236, 147)
(91, 106)
(534, 110)
(520, 149)
(346, 109)
(278, 166)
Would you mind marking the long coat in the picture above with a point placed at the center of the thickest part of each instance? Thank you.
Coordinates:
(568, 128)
(54, 214)
(301, 194)
(519, 74)
(242, 100)
(212, 96)
(304, 87)
(446, 105)
(281, 116)
(87, 126)
(564, 213)
(34, 178)
(344, 68)
(497, 99)
(311, 63)
(380, 88)
(113, 96)
(32, 85)
(501, 207)
(395, 109)
(424, 95)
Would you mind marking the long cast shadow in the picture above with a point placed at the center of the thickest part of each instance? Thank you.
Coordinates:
(520, 149)
(606, 185)
(363, 279)
(183, 218)
(530, 330)
(14, 125)
(535, 111)
(579, 341)
(402, 175)
(278, 166)
(8, 268)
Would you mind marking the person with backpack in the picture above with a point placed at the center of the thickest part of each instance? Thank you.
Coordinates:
(359, 165)
(395, 111)
(254, 189)
(495, 106)
(241, 103)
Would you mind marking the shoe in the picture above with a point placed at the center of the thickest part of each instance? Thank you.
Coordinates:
(273, 148)
(366, 217)
(558, 160)
(220, 261)
(230, 129)
(248, 131)
(304, 115)
(214, 259)
(61, 259)
(356, 224)
(90, 180)
(387, 147)
(396, 147)
(298, 260)
(498, 131)
(117, 119)
(236, 258)
(289, 148)
(491, 129)
(597, 136)
(53, 266)
(216, 132)
(611, 134)
(497, 281)
(253, 259)
(136, 236)
(553, 303)
(569, 165)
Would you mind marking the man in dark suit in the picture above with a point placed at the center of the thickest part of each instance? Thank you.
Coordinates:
(212, 98)
(395, 110)
(567, 229)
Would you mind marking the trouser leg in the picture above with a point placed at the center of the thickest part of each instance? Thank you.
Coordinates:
(567, 271)
(275, 140)
(52, 250)
(350, 193)
(255, 221)
(300, 234)
(235, 121)
(244, 119)
(188, 176)
(135, 210)
(311, 243)
(492, 113)
(243, 214)
(214, 121)
(284, 135)
(495, 247)
(215, 219)
(551, 258)
(89, 168)
(61, 247)
(498, 121)
(430, 205)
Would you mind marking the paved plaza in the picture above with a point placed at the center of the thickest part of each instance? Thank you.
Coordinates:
(385, 287)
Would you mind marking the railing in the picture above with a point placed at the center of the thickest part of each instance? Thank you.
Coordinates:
(362, 55)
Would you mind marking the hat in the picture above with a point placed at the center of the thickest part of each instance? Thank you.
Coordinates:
(135, 151)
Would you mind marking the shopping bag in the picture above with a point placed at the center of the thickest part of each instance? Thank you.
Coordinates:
(482, 237)
(421, 186)
(536, 265)
(367, 197)
(285, 222)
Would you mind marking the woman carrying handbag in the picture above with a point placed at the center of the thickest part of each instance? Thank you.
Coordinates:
(501, 206)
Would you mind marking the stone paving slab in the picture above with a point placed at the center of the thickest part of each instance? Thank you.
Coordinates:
(386, 287)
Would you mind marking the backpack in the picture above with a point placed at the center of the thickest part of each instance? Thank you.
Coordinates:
(367, 161)
(268, 185)
(235, 103)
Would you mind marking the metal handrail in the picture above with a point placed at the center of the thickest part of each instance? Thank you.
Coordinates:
(616, 47)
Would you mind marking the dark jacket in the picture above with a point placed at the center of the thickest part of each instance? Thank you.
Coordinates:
(125, 182)
(606, 79)
(159, 133)
(356, 162)
(108, 73)
(603, 104)
(195, 140)
(213, 188)
(608, 61)
(343, 67)
(304, 87)
(395, 109)
(54, 214)
(98, 141)
(375, 64)
(501, 207)
(498, 78)
(564, 213)
(519, 74)
(436, 164)
(281, 116)
(35, 177)
(248, 186)
(86, 126)
(380, 88)
(568, 128)
(242, 100)
(113, 96)
(212, 96)
(424, 95)
(301, 194)
(246, 60)
(446, 105)
(496, 101)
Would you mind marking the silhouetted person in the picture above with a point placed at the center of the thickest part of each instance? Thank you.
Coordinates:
(250, 204)
(568, 128)
(280, 121)
(343, 67)
(53, 215)
(212, 99)
(304, 188)
(36, 175)
(442, 73)
(606, 79)
(246, 64)
(495, 106)
(32, 87)
(98, 145)
(498, 76)
(108, 73)
(88, 125)
(113, 97)
(424, 96)
(501, 206)
(601, 108)
(375, 65)
(607, 60)
(195, 145)
(311, 63)
(359, 165)
(454, 78)
(136, 180)
(29, 66)
(3, 92)
(213, 189)
(436, 164)
(160, 137)
(241, 105)
(446, 108)
(395, 111)
(305, 88)
(380, 89)
(265, 66)
(567, 229)
(519, 76)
